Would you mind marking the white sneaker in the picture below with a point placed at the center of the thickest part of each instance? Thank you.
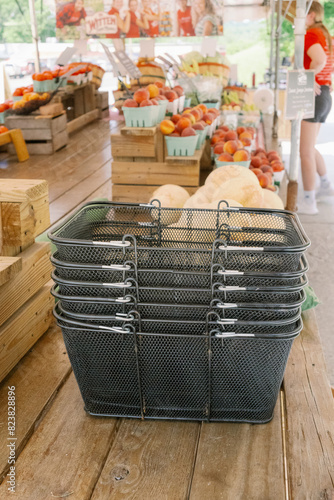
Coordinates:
(307, 207)
(324, 193)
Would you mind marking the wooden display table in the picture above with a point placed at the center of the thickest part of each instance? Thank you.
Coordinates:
(141, 164)
(63, 452)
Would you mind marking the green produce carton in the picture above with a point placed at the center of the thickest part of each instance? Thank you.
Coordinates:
(181, 146)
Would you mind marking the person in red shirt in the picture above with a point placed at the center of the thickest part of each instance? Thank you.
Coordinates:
(71, 14)
(115, 9)
(152, 18)
(184, 25)
(318, 56)
(132, 22)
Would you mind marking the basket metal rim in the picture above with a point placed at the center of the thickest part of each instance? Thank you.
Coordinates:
(52, 235)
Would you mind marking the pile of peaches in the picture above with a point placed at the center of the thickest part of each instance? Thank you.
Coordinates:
(264, 165)
(229, 145)
(150, 95)
(191, 120)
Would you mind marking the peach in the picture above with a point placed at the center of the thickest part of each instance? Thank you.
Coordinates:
(246, 141)
(187, 132)
(190, 117)
(267, 169)
(220, 133)
(171, 95)
(224, 128)
(141, 95)
(244, 135)
(256, 171)
(240, 145)
(183, 123)
(163, 98)
(130, 103)
(196, 114)
(178, 89)
(241, 155)
(230, 147)
(203, 108)
(256, 162)
(263, 180)
(261, 155)
(251, 130)
(208, 118)
(175, 118)
(215, 139)
(167, 127)
(231, 136)
(226, 157)
(200, 111)
(260, 150)
(146, 102)
(174, 134)
(273, 156)
(153, 90)
(219, 149)
(198, 126)
(155, 101)
(159, 84)
(240, 130)
(264, 161)
(161, 91)
(277, 167)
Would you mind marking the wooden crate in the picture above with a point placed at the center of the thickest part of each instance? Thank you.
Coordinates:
(24, 213)
(20, 332)
(43, 135)
(35, 272)
(141, 164)
(77, 100)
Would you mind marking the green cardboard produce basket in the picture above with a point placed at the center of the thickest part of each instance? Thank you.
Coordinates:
(224, 163)
(162, 110)
(211, 105)
(146, 116)
(181, 146)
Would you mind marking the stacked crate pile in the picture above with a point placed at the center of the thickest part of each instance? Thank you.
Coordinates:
(26, 305)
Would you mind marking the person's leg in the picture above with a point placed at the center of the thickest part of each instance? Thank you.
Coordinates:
(320, 162)
(308, 136)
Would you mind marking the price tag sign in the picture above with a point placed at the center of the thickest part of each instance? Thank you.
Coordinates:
(208, 47)
(116, 70)
(130, 67)
(66, 56)
(147, 48)
(300, 94)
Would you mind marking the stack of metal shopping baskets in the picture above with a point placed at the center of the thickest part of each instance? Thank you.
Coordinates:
(179, 313)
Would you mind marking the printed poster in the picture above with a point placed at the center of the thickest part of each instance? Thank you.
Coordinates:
(79, 19)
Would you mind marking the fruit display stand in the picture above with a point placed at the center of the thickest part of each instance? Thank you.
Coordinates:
(80, 104)
(43, 134)
(141, 164)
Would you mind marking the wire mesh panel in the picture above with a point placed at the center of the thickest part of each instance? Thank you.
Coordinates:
(246, 378)
(174, 376)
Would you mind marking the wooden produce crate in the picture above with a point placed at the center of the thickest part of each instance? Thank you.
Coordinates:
(24, 213)
(140, 165)
(102, 103)
(20, 332)
(77, 100)
(43, 135)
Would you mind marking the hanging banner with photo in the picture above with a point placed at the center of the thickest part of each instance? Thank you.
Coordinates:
(79, 19)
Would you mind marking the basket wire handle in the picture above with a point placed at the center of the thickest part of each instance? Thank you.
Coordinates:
(130, 237)
(89, 317)
(220, 270)
(93, 326)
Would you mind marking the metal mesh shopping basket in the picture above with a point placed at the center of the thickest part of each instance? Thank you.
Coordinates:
(187, 239)
(268, 297)
(171, 278)
(123, 305)
(215, 377)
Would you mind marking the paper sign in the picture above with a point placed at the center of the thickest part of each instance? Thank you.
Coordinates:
(147, 48)
(81, 46)
(116, 69)
(300, 94)
(208, 47)
(66, 56)
(130, 67)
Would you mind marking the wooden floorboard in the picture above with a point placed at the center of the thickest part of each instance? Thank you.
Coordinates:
(36, 378)
(149, 459)
(310, 423)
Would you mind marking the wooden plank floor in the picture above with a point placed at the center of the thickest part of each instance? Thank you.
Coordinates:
(63, 452)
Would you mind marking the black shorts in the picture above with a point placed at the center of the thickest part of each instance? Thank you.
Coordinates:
(323, 105)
